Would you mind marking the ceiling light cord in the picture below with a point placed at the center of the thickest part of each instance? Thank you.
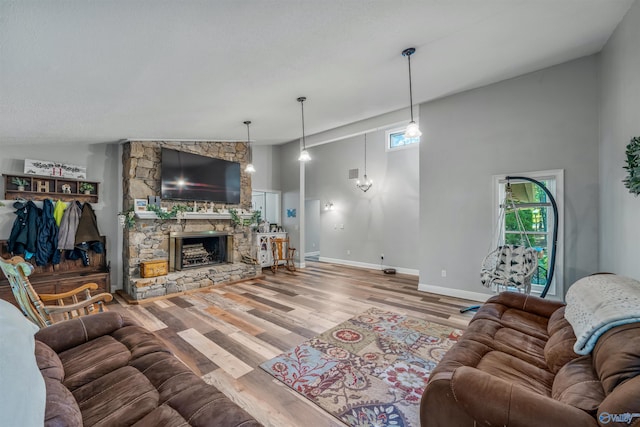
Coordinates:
(410, 88)
(365, 156)
(304, 154)
(367, 184)
(250, 168)
(412, 131)
(301, 100)
(248, 122)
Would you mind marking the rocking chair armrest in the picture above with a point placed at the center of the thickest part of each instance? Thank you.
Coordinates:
(53, 297)
(53, 309)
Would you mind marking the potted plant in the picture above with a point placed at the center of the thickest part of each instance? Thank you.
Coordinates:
(86, 188)
(20, 182)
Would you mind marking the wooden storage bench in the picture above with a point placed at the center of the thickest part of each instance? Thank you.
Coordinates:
(68, 275)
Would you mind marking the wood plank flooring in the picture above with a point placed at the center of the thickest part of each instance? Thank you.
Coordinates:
(224, 333)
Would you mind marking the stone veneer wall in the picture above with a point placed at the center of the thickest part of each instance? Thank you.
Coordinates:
(149, 238)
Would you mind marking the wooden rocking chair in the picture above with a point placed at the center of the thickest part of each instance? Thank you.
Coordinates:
(282, 252)
(33, 305)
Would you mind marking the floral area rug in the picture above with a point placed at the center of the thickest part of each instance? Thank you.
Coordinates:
(368, 371)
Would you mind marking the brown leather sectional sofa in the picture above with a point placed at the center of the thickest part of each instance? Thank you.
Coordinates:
(515, 366)
(102, 370)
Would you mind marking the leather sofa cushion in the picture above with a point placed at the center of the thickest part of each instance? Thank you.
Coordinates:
(48, 362)
(558, 350)
(498, 337)
(557, 321)
(121, 397)
(616, 356)
(91, 360)
(577, 384)
(62, 408)
(518, 372)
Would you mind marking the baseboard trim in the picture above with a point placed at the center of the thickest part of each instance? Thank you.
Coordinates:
(457, 293)
(401, 270)
(314, 253)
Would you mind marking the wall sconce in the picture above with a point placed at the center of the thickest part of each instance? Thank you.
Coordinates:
(328, 206)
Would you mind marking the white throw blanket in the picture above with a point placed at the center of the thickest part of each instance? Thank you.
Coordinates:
(598, 303)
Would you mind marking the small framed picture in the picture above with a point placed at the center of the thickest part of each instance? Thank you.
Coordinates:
(140, 205)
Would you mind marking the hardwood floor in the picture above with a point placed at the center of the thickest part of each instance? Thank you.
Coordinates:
(225, 333)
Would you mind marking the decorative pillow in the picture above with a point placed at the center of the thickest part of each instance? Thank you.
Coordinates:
(21, 384)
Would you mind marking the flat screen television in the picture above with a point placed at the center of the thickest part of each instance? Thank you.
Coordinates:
(187, 176)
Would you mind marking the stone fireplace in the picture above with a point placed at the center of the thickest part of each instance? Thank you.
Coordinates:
(203, 236)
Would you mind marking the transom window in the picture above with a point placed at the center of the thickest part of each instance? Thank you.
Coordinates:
(396, 140)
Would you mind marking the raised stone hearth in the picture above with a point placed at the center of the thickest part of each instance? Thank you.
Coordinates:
(149, 239)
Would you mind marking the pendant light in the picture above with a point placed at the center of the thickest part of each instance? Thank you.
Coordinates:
(249, 168)
(304, 154)
(366, 185)
(412, 129)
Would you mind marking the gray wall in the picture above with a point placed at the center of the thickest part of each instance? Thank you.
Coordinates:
(290, 186)
(312, 225)
(266, 160)
(539, 121)
(363, 226)
(102, 162)
(619, 121)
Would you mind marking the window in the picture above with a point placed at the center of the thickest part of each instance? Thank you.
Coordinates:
(396, 140)
(531, 223)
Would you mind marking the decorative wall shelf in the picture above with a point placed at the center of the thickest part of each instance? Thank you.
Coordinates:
(48, 187)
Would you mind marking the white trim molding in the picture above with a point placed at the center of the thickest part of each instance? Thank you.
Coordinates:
(401, 270)
(457, 293)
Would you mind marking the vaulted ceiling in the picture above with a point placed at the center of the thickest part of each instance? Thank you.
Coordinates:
(100, 71)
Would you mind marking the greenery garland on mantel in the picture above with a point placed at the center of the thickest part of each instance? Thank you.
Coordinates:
(632, 181)
(173, 213)
(129, 218)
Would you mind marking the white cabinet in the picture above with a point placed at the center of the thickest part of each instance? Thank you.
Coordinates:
(263, 240)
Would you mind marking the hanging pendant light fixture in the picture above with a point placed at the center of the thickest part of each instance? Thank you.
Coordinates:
(366, 185)
(412, 129)
(304, 154)
(249, 168)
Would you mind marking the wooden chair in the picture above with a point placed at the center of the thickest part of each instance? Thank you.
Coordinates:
(282, 252)
(33, 305)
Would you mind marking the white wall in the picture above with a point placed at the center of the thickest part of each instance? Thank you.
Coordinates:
(103, 165)
(619, 122)
(362, 226)
(540, 121)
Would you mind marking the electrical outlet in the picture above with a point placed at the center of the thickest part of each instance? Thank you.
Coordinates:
(444, 273)
(348, 252)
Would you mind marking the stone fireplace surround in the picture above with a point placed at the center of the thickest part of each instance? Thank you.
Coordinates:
(149, 238)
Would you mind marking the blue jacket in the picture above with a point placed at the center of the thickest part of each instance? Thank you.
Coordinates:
(46, 249)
